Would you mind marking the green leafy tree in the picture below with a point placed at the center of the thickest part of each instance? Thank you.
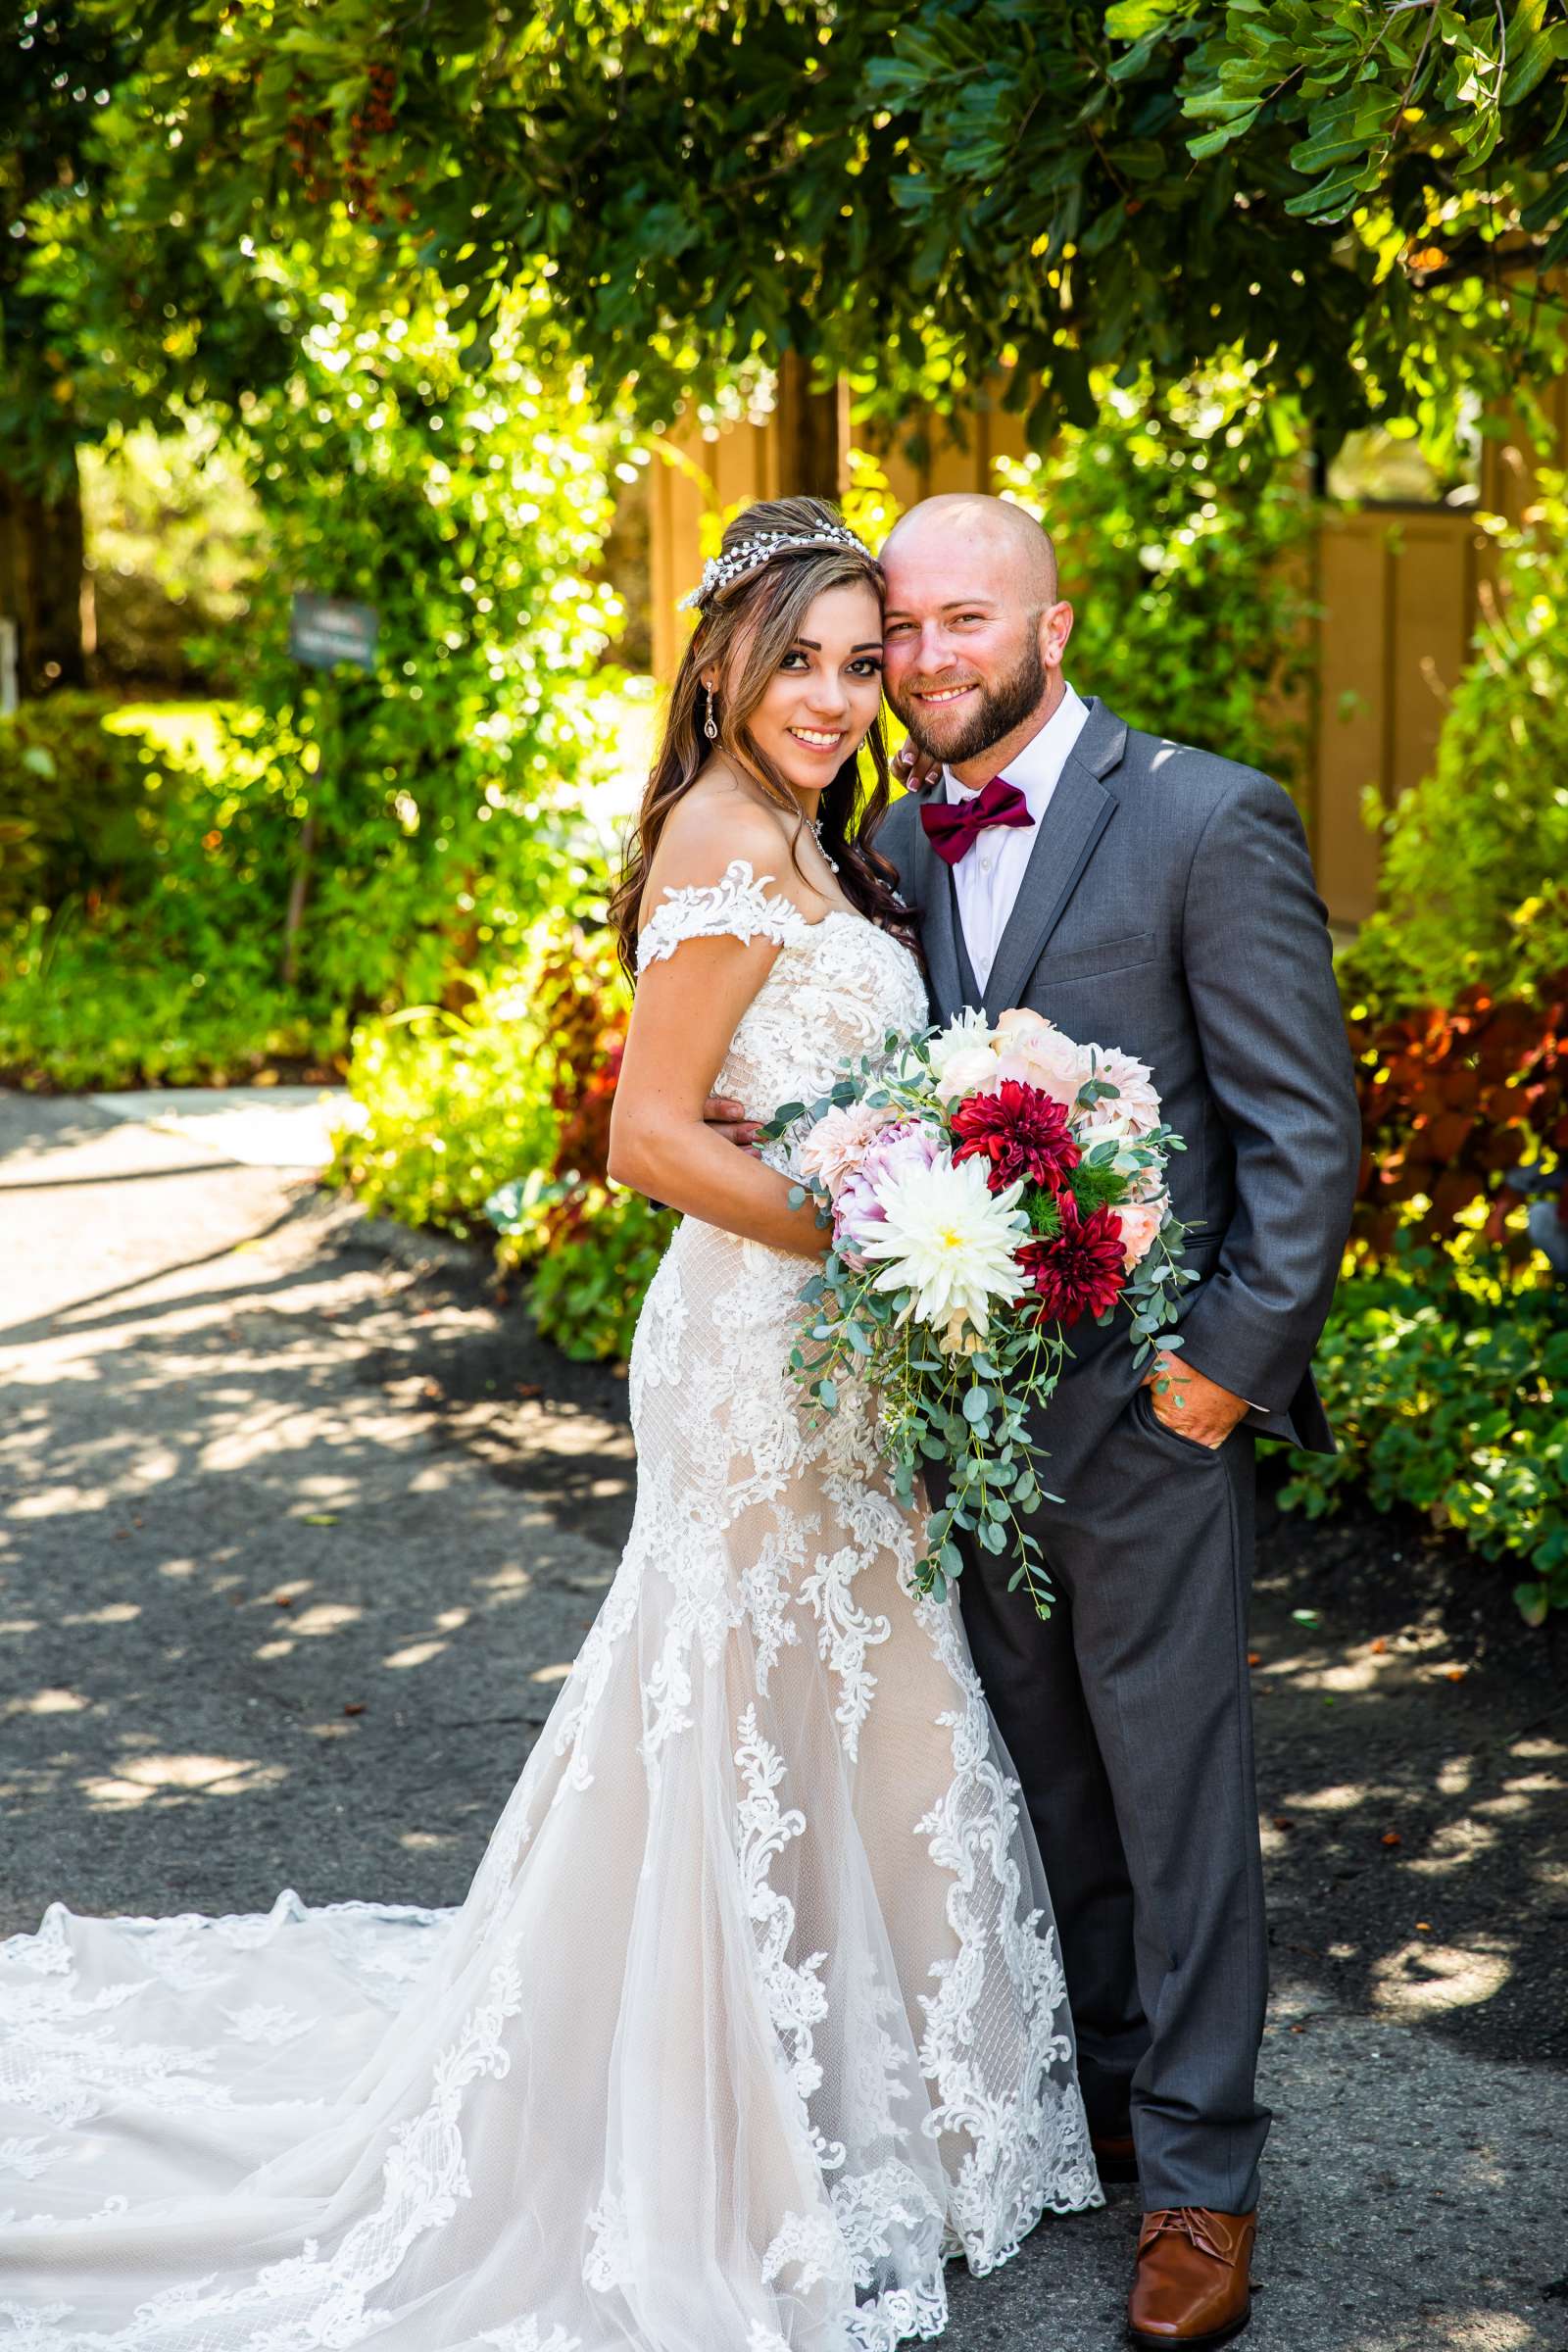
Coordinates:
(114, 306)
(420, 812)
(1362, 197)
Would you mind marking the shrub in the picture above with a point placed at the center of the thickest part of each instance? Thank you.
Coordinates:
(76, 815)
(1454, 1099)
(496, 1120)
(98, 1002)
(468, 509)
(450, 1105)
(1473, 886)
(428, 812)
(1448, 1391)
(602, 1253)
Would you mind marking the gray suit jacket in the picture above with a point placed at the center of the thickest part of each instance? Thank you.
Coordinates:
(1169, 908)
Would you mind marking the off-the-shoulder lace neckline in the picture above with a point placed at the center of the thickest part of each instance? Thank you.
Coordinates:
(741, 874)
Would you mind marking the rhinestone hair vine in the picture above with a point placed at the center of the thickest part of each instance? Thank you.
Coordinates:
(722, 571)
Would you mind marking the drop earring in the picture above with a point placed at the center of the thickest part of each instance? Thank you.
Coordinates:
(710, 724)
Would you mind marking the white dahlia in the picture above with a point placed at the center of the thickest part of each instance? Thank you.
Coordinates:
(951, 1240)
(968, 1033)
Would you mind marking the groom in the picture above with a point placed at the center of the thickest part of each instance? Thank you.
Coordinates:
(1159, 899)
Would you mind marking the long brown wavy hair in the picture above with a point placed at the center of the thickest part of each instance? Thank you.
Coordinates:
(743, 633)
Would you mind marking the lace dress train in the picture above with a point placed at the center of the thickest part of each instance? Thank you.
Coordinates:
(754, 2012)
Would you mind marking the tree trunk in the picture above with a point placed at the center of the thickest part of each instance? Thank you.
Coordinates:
(41, 554)
(812, 433)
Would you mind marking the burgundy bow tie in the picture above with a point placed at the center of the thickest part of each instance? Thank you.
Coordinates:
(952, 827)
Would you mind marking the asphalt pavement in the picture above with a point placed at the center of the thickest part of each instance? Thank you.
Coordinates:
(300, 1530)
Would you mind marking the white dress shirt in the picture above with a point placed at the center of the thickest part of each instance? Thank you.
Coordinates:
(989, 877)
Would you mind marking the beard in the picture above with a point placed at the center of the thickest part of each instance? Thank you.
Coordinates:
(1003, 706)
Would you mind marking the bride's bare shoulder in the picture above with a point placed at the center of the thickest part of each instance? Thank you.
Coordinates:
(714, 827)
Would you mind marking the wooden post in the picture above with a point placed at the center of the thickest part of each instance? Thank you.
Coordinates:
(811, 430)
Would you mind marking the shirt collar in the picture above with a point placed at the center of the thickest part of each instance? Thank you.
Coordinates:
(1037, 769)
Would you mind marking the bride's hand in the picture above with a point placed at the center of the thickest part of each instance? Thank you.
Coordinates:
(728, 1117)
(914, 769)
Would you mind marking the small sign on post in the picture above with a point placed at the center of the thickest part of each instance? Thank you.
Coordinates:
(324, 631)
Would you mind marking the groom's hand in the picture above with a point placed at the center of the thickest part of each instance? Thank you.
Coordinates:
(1194, 1406)
(728, 1118)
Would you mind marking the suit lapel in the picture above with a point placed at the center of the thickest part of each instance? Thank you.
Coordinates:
(931, 892)
(1081, 807)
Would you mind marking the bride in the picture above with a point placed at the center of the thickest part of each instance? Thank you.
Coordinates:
(754, 2011)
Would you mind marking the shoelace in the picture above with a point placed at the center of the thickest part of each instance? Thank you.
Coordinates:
(1191, 2222)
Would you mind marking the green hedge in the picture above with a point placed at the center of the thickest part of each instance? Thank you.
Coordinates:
(78, 811)
(1448, 1391)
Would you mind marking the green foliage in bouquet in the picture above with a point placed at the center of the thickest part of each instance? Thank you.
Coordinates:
(954, 1403)
(1473, 887)
(1447, 1388)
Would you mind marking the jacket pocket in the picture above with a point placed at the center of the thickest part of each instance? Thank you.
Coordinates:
(1192, 1448)
(1100, 956)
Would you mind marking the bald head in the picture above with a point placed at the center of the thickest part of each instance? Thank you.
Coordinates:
(974, 630)
(967, 531)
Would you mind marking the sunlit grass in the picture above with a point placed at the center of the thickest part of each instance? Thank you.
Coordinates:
(189, 732)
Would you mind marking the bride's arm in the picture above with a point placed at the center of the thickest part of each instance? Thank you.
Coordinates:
(688, 1006)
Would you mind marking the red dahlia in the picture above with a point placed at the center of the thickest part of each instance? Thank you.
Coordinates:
(1080, 1270)
(1021, 1131)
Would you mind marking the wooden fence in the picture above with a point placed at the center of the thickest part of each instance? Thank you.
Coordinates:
(1398, 590)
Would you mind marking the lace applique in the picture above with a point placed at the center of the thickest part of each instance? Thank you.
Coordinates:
(69, 2077)
(590, 1676)
(260, 2022)
(33, 2325)
(767, 1590)
(1025, 2155)
(737, 907)
(810, 2243)
(796, 1999)
(845, 1634)
(609, 2263)
(27, 2158)
(522, 2335)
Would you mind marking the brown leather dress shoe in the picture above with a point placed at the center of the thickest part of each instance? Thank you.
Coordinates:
(1193, 2283)
(1116, 2157)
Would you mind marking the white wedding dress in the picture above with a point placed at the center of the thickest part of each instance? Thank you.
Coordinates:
(754, 2011)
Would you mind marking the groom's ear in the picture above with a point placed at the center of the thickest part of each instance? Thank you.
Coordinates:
(1056, 627)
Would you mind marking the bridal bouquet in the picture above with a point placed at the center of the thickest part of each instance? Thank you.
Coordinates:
(987, 1187)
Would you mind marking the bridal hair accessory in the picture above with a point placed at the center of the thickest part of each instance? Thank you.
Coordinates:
(710, 724)
(722, 571)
